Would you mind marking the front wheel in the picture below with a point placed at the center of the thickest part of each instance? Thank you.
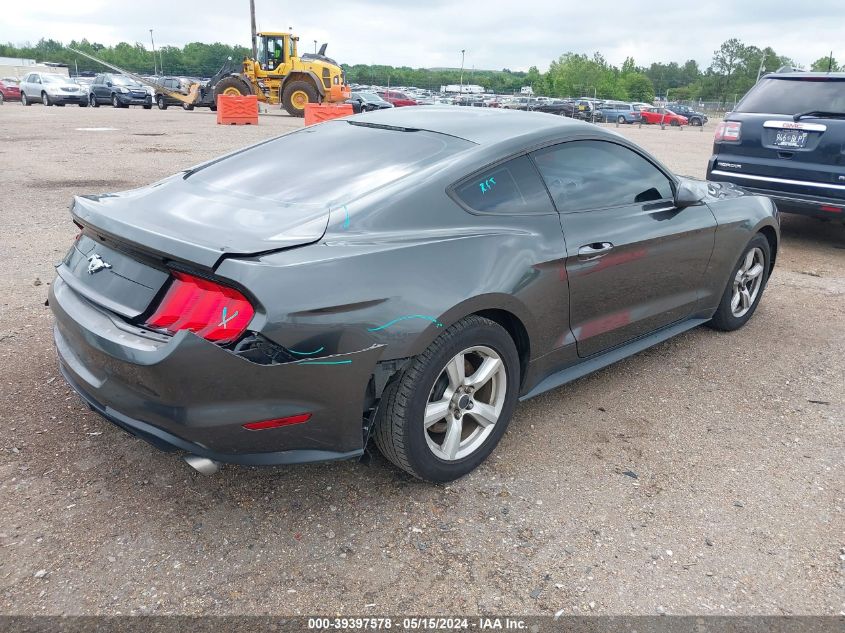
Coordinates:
(93, 101)
(45, 99)
(25, 101)
(621, 120)
(161, 103)
(188, 106)
(745, 287)
(298, 94)
(448, 410)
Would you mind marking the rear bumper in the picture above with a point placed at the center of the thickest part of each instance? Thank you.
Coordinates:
(189, 394)
(790, 196)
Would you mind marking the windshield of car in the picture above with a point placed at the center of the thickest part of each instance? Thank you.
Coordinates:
(372, 157)
(369, 96)
(121, 80)
(791, 95)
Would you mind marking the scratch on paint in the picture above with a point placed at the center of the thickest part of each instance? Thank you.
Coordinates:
(316, 351)
(324, 362)
(404, 318)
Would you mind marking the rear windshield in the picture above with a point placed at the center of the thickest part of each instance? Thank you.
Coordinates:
(330, 163)
(791, 96)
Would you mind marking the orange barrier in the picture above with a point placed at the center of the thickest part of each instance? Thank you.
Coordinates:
(318, 112)
(237, 110)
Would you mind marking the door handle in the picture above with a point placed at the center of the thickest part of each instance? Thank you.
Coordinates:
(594, 250)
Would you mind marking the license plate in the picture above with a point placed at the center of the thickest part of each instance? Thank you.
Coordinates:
(794, 139)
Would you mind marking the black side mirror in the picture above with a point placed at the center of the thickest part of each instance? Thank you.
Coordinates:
(689, 193)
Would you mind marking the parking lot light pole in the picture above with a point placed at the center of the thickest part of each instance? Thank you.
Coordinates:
(463, 53)
(152, 41)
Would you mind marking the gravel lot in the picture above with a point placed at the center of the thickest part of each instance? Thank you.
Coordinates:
(704, 476)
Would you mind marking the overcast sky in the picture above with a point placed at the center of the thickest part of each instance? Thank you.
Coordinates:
(426, 33)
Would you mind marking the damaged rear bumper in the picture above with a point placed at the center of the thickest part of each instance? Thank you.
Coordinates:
(185, 393)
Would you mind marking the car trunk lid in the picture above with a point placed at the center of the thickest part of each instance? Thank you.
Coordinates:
(183, 220)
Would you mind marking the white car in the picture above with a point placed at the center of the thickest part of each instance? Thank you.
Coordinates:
(52, 89)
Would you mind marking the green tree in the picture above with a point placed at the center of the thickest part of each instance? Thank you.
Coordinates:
(826, 64)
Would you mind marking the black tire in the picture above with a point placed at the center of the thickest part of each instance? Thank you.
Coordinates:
(1, 98)
(148, 106)
(161, 103)
(25, 101)
(620, 119)
(82, 104)
(188, 106)
(399, 432)
(60, 105)
(674, 123)
(229, 83)
(298, 86)
(724, 319)
(45, 99)
(115, 102)
(93, 101)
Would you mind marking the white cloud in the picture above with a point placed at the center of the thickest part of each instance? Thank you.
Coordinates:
(495, 33)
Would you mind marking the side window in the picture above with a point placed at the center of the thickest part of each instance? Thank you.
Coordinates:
(512, 188)
(583, 175)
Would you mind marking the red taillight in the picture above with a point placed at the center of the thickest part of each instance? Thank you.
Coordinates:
(214, 312)
(830, 209)
(276, 423)
(728, 132)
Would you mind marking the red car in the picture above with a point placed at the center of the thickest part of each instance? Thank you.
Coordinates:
(398, 99)
(662, 115)
(9, 90)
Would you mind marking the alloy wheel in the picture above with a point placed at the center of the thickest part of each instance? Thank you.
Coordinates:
(747, 282)
(465, 403)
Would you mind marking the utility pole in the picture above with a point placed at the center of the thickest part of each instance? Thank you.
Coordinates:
(463, 53)
(830, 62)
(315, 47)
(252, 25)
(155, 66)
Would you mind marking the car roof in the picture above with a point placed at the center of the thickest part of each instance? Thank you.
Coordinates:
(805, 75)
(484, 126)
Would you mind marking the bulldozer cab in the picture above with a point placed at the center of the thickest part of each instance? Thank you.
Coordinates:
(275, 52)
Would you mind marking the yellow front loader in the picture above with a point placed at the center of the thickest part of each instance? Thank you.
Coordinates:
(278, 75)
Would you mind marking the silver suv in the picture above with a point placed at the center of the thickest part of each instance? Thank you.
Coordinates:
(52, 89)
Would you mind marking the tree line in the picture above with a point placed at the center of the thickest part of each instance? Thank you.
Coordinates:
(734, 68)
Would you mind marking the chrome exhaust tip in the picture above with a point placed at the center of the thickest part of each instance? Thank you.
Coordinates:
(202, 464)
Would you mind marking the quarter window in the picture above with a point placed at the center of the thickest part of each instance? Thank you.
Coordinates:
(583, 175)
(513, 187)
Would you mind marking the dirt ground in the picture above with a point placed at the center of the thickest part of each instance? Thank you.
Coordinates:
(704, 476)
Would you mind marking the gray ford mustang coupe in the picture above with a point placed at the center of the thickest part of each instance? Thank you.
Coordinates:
(415, 274)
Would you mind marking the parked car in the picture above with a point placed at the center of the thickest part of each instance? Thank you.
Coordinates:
(252, 319)
(785, 139)
(51, 89)
(694, 117)
(9, 90)
(120, 91)
(397, 99)
(521, 103)
(367, 102)
(181, 85)
(662, 116)
(558, 106)
(619, 112)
